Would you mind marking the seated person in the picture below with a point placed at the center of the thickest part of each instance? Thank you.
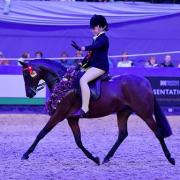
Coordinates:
(3, 60)
(64, 59)
(38, 55)
(125, 62)
(152, 62)
(167, 61)
(24, 56)
(79, 56)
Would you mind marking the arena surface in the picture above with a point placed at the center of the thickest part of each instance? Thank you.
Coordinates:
(57, 156)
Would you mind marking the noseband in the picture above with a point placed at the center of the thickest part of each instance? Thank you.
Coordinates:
(42, 85)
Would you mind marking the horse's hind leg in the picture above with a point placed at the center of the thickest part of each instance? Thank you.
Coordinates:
(144, 108)
(153, 126)
(122, 118)
(74, 125)
(54, 120)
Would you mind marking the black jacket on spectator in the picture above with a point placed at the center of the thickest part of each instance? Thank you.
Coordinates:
(167, 65)
(99, 48)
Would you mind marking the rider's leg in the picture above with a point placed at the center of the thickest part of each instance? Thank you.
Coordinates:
(91, 74)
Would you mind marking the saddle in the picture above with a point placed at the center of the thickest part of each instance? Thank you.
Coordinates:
(95, 86)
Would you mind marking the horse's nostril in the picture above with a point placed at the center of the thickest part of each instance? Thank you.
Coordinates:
(30, 94)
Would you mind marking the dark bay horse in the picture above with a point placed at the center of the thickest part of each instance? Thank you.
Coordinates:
(122, 95)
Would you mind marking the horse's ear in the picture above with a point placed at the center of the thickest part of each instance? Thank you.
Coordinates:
(23, 64)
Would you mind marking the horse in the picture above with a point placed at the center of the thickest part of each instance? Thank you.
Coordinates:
(122, 95)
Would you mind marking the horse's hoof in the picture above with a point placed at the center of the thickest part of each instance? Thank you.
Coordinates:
(172, 161)
(97, 161)
(105, 161)
(25, 157)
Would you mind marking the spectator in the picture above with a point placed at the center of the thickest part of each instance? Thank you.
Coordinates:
(125, 62)
(79, 56)
(3, 60)
(38, 55)
(152, 62)
(167, 61)
(24, 56)
(64, 59)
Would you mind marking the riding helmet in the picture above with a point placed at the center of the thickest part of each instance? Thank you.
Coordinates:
(98, 20)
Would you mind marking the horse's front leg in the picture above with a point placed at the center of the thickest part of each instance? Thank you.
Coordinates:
(74, 125)
(54, 120)
(122, 118)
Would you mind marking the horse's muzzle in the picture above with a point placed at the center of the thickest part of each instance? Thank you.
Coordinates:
(31, 93)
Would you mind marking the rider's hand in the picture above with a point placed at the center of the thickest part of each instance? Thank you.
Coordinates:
(73, 43)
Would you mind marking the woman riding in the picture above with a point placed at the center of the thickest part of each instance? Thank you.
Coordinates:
(98, 64)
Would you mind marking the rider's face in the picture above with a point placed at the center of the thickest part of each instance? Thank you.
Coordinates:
(96, 30)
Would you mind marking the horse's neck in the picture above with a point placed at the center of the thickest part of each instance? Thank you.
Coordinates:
(50, 82)
(52, 78)
(50, 88)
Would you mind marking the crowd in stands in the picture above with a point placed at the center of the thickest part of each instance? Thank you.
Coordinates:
(151, 62)
(151, 1)
(124, 61)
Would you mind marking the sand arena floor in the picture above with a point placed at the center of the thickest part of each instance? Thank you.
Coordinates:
(57, 156)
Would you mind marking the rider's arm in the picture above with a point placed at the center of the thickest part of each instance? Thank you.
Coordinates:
(100, 42)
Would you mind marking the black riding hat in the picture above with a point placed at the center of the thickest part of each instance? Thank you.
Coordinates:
(99, 20)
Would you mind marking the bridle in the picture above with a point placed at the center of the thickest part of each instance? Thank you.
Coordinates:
(41, 85)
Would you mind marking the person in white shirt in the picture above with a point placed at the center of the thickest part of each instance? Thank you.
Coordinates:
(124, 62)
(3, 61)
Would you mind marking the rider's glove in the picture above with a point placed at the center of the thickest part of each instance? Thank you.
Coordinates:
(73, 43)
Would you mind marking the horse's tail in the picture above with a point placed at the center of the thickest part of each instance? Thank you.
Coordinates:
(161, 120)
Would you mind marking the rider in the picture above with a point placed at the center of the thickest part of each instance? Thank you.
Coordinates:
(98, 64)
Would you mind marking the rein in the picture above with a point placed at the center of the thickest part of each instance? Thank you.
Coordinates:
(42, 85)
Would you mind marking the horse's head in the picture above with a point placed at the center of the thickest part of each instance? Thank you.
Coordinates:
(32, 76)
(35, 70)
